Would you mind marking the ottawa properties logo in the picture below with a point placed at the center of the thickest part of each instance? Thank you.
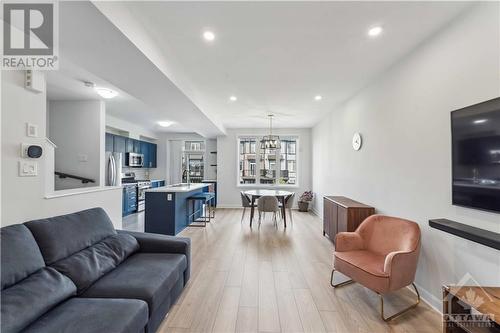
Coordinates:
(30, 35)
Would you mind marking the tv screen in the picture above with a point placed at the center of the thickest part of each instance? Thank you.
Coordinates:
(476, 156)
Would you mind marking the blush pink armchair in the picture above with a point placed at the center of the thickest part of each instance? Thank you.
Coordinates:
(382, 255)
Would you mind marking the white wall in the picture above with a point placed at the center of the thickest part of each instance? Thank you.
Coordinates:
(227, 163)
(24, 198)
(404, 167)
(75, 127)
(210, 160)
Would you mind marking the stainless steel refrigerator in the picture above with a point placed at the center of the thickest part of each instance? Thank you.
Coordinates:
(113, 169)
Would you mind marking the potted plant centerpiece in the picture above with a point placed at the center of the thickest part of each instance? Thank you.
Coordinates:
(304, 201)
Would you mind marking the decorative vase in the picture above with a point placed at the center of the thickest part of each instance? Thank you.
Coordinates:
(303, 206)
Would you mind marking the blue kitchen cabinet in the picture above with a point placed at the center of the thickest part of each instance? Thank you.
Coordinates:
(152, 155)
(129, 145)
(157, 183)
(148, 149)
(137, 146)
(129, 200)
(123, 145)
(145, 152)
(119, 146)
(110, 140)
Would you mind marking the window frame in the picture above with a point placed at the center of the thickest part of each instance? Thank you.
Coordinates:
(277, 168)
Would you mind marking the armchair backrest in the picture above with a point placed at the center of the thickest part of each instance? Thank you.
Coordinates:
(384, 234)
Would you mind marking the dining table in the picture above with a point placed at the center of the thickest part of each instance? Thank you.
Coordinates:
(281, 195)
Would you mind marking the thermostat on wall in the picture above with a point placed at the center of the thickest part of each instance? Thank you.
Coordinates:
(31, 151)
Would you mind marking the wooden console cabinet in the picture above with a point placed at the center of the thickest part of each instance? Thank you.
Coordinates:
(343, 214)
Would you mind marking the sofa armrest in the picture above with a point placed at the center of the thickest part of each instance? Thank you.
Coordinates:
(155, 243)
(348, 241)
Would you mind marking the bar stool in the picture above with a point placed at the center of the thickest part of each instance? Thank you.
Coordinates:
(205, 199)
(212, 204)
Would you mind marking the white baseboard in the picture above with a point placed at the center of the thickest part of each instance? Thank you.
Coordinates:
(434, 303)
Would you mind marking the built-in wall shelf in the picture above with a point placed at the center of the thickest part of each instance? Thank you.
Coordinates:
(481, 236)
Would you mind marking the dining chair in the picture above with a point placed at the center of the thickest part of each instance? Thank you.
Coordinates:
(268, 203)
(289, 204)
(245, 203)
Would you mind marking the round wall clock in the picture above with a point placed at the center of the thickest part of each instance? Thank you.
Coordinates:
(356, 141)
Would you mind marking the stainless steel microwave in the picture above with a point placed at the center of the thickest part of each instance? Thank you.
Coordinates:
(134, 160)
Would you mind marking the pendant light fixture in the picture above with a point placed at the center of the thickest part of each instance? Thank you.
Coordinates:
(270, 141)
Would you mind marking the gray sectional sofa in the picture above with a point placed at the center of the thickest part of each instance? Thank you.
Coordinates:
(76, 273)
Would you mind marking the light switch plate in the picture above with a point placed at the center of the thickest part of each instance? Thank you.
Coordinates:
(24, 150)
(28, 168)
(31, 130)
(169, 197)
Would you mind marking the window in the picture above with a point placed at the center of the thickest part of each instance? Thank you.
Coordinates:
(247, 161)
(267, 166)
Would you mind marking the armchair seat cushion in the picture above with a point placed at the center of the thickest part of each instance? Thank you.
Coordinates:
(146, 276)
(87, 315)
(364, 267)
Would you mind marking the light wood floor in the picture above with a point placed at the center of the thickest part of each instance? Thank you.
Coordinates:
(275, 280)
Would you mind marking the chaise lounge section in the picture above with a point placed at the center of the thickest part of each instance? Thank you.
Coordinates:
(77, 273)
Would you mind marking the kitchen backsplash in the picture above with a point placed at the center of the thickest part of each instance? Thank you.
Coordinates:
(140, 173)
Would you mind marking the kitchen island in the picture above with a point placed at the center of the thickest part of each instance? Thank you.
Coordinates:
(166, 209)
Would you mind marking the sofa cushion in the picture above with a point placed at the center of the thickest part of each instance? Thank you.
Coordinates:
(20, 255)
(27, 300)
(88, 265)
(145, 276)
(61, 236)
(87, 315)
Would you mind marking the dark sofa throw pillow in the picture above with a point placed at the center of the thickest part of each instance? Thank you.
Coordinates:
(88, 265)
(27, 300)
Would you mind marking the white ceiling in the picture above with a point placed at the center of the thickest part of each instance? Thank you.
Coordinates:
(67, 83)
(275, 56)
(93, 49)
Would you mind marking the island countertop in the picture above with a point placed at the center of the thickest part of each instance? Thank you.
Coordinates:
(178, 188)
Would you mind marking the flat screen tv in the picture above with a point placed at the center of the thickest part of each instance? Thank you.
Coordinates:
(476, 156)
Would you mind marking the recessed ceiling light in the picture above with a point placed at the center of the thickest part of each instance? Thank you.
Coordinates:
(375, 31)
(165, 123)
(480, 121)
(318, 98)
(209, 36)
(233, 98)
(105, 92)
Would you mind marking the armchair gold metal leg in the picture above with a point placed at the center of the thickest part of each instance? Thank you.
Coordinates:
(400, 312)
(339, 284)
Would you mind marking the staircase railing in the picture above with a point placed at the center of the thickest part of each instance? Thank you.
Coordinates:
(67, 175)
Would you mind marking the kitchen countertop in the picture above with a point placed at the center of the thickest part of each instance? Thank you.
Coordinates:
(174, 188)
